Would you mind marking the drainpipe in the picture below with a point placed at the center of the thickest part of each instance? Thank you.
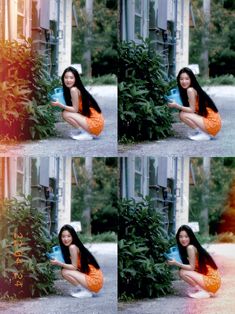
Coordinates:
(119, 31)
(8, 7)
(174, 192)
(4, 19)
(57, 193)
(57, 35)
(175, 35)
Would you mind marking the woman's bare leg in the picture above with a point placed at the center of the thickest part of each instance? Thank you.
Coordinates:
(193, 278)
(75, 119)
(187, 279)
(193, 120)
(183, 117)
(69, 278)
(75, 277)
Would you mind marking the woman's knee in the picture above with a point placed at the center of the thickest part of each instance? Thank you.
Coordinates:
(65, 115)
(183, 115)
(181, 273)
(64, 273)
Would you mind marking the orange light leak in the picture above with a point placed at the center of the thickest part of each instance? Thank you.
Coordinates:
(223, 301)
(15, 89)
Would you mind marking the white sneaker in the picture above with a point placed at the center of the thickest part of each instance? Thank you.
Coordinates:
(84, 136)
(82, 294)
(75, 290)
(192, 290)
(202, 136)
(74, 132)
(193, 132)
(202, 294)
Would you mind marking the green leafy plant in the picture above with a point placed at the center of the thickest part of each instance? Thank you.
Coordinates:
(14, 95)
(142, 270)
(142, 112)
(24, 87)
(24, 269)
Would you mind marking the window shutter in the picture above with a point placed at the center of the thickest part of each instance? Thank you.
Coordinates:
(44, 14)
(162, 14)
(44, 172)
(162, 172)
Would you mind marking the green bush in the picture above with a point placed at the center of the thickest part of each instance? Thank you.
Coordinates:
(108, 79)
(142, 270)
(108, 236)
(24, 86)
(142, 112)
(24, 269)
(228, 79)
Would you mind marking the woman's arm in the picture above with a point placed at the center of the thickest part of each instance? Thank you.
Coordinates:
(191, 251)
(73, 250)
(192, 98)
(75, 94)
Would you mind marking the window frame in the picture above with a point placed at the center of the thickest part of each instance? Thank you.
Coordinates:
(26, 16)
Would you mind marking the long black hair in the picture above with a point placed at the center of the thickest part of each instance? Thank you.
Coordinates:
(86, 256)
(204, 100)
(204, 257)
(87, 99)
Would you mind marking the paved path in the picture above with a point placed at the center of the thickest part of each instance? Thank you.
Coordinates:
(180, 145)
(223, 303)
(63, 303)
(63, 145)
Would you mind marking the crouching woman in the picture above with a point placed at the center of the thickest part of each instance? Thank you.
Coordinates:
(198, 268)
(80, 268)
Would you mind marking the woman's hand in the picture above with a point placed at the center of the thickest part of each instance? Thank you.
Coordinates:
(174, 105)
(171, 262)
(57, 104)
(55, 262)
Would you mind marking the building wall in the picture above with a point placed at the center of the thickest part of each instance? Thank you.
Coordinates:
(165, 180)
(165, 22)
(33, 176)
(15, 16)
(65, 35)
(182, 34)
(49, 23)
(182, 192)
(64, 191)
(2, 178)
(133, 16)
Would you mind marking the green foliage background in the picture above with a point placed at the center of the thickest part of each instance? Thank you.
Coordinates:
(24, 87)
(103, 43)
(221, 37)
(142, 111)
(142, 270)
(22, 219)
(221, 175)
(103, 194)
